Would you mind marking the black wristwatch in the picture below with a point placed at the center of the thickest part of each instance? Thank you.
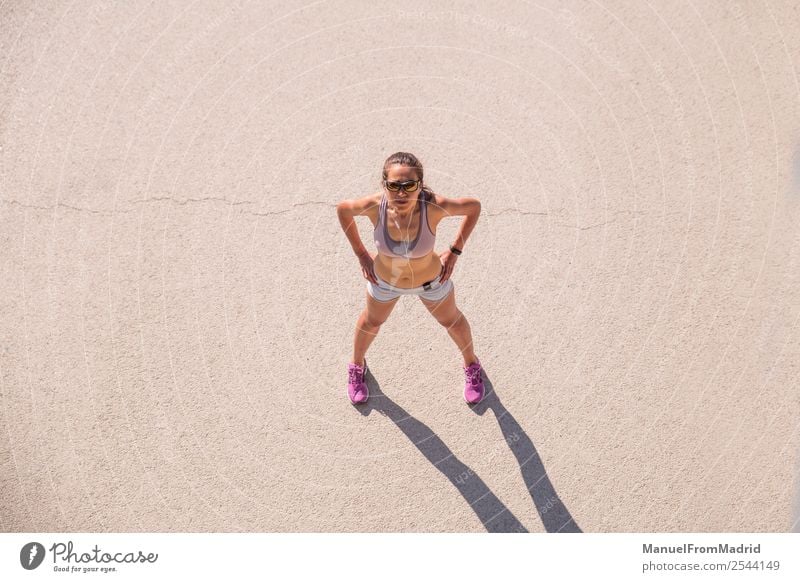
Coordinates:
(454, 250)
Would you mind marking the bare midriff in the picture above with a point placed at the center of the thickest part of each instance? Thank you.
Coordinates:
(402, 272)
(407, 273)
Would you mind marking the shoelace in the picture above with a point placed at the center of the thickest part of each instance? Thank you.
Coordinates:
(474, 375)
(355, 375)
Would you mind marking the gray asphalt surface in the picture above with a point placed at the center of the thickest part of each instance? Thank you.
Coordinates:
(177, 300)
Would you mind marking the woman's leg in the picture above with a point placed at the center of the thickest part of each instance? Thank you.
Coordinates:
(450, 316)
(368, 324)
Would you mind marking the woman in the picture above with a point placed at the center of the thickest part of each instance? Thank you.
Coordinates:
(405, 215)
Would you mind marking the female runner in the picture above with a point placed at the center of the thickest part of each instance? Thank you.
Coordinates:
(405, 214)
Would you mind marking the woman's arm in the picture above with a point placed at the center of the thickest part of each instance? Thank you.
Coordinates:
(468, 207)
(346, 210)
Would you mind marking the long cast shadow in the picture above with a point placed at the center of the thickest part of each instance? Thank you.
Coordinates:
(554, 514)
(494, 515)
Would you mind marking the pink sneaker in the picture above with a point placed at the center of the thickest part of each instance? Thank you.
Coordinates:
(474, 390)
(356, 387)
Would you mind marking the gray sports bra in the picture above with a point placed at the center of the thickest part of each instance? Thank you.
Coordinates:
(419, 247)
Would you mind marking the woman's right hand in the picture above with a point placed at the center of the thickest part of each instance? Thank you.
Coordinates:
(367, 267)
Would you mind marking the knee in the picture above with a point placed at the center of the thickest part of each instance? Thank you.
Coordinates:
(452, 320)
(372, 321)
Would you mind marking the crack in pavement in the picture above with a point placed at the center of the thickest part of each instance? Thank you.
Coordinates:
(180, 202)
(516, 211)
(59, 205)
(185, 201)
(614, 219)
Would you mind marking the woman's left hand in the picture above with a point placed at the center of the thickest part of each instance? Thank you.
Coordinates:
(448, 260)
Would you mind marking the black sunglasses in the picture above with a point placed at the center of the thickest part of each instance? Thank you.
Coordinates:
(408, 186)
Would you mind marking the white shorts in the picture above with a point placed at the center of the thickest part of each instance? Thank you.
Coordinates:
(430, 291)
